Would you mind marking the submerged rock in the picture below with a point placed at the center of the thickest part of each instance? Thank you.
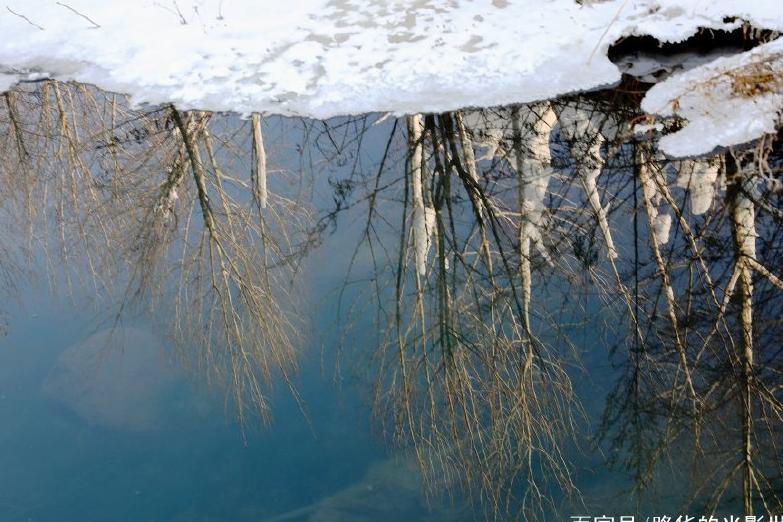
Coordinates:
(117, 378)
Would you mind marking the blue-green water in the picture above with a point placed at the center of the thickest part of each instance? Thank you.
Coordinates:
(54, 466)
(200, 465)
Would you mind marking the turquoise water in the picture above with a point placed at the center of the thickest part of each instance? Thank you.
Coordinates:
(200, 465)
(54, 466)
(322, 464)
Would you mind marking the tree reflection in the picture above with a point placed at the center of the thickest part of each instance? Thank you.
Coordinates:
(159, 212)
(565, 200)
(496, 240)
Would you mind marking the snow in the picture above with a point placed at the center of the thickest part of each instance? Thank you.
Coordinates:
(322, 58)
(729, 101)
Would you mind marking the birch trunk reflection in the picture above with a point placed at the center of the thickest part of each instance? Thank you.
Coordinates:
(497, 241)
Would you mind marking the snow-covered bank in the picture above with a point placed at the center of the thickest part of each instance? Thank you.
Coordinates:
(324, 58)
(732, 100)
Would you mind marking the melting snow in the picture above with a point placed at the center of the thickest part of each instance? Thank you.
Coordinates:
(324, 58)
(731, 100)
